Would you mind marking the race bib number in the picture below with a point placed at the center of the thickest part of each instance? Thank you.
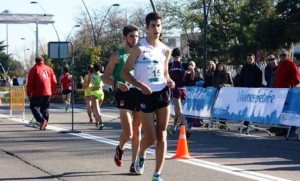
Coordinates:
(154, 73)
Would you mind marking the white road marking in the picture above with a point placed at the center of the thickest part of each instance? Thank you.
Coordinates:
(76, 110)
(197, 162)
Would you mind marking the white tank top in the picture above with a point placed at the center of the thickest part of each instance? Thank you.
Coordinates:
(150, 65)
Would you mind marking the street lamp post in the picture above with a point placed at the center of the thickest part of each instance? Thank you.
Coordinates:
(98, 34)
(63, 62)
(7, 12)
(92, 26)
(6, 39)
(35, 2)
(75, 26)
(37, 38)
(153, 6)
(95, 38)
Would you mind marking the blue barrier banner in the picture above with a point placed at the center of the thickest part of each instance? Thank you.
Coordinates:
(259, 105)
(291, 110)
(199, 102)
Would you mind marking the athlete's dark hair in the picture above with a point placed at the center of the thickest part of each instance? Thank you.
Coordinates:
(152, 17)
(128, 29)
(66, 69)
(176, 52)
(97, 67)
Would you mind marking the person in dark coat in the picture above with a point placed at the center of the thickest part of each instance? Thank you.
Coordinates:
(209, 76)
(251, 76)
(237, 78)
(222, 78)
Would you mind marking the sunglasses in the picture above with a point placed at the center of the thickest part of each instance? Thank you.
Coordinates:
(270, 59)
(282, 55)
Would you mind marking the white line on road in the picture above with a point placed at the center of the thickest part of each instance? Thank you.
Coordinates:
(197, 162)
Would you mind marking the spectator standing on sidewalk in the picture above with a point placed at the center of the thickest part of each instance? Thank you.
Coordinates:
(66, 87)
(209, 76)
(273, 64)
(150, 60)
(125, 96)
(287, 73)
(287, 76)
(268, 72)
(190, 74)
(236, 80)
(41, 85)
(251, 76)
(222, 78)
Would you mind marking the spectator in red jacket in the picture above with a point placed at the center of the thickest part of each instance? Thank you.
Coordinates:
(287, 73)
(287, 76)
(41, 85)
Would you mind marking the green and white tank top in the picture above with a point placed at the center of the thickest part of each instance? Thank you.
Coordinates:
(117, 70)
(96, 81)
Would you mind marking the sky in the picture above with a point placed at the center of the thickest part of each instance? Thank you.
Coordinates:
(64, 11)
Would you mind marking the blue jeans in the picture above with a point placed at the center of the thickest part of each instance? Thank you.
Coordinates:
(39, 107)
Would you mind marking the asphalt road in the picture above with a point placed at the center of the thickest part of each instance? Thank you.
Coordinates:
(29, 154)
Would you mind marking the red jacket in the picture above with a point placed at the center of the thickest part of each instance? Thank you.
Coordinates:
(41, 81)
(287, 74)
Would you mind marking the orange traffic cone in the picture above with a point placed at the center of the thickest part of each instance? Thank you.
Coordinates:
(182, 147)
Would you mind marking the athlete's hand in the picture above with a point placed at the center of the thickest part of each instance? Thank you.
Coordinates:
(170, 83)
(145, 89)
(123, 87)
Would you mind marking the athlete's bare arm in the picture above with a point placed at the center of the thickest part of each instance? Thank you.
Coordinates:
(170, 82)
(125, 73)
(106, 76)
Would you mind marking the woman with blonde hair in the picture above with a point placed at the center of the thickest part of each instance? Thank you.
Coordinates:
(190, 74)
(209, 76)
(87, 92)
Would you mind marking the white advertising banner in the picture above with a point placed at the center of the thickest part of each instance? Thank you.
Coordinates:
(260, 105)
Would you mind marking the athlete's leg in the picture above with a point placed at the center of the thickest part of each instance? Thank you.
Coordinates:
(89, 107)
(126, 124)
(149, 138)
(161, 127)
(136, 137)
(68, 98)
(96, 109)
(178, 110)
(64, 98)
